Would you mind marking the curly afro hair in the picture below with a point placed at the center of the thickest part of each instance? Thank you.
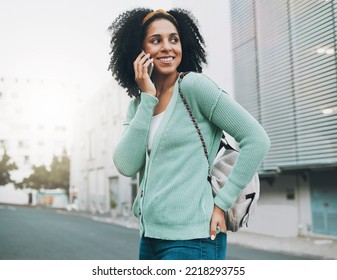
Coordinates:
(127, 34)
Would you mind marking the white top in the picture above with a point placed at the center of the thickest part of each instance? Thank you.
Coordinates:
(156, 120)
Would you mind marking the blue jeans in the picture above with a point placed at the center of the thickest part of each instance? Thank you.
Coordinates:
(194, 249)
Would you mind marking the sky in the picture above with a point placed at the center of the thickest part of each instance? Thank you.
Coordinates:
(65, 40)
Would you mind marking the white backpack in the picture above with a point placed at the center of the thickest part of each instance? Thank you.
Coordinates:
(238, 215)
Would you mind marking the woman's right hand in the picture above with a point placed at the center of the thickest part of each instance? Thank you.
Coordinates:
(142, 78)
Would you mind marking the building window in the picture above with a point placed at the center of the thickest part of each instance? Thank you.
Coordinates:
(40, 144)
(60, 128)
(23, 144)
(290, 194)
(92, 144)
(26, 159)
(103, 142)
(2, 143)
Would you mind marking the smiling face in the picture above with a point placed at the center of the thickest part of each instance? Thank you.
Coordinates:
(162, 42)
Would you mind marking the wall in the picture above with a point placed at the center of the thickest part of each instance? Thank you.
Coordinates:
(284, 207)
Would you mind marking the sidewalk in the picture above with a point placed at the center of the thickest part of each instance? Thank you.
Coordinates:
(319, 248)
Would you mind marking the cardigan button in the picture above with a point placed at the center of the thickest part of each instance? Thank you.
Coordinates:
(139, 211)
(141, 193)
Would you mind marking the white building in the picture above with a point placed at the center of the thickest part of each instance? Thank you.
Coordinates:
(98, 126)
(35, 121)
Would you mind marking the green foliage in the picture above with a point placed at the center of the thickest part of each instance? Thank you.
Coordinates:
(60, 172)
(113, 204)
(40, 178)
(5, 167)
(57, 177)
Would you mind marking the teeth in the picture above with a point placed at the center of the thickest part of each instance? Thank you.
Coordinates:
(166, 59)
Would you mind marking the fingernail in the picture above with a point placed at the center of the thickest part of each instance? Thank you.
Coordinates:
(212, 237)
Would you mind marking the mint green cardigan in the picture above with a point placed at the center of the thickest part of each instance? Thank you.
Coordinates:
(174, 199)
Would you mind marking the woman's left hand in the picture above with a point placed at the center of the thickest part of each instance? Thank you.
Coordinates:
(217, 220)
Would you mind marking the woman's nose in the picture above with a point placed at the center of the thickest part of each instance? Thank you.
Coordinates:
(166, 46)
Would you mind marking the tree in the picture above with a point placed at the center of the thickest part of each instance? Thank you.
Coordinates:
(57, 177)
(40, 178)
(60, 172)
(5, 167)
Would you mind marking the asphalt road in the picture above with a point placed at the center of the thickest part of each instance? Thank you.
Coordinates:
(43, 234)
(40, 234)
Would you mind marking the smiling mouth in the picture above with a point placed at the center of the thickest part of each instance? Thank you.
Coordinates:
(168, 59)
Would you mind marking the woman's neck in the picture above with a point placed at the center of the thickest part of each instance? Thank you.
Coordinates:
(163, 83)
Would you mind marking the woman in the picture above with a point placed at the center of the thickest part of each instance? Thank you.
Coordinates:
(178, 215)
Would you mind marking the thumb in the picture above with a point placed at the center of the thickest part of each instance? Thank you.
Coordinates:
(213, 229)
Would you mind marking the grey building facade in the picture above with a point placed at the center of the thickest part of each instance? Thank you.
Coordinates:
(285, 74)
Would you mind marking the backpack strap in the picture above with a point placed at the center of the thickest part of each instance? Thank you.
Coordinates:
(223, 143)
(181, 76)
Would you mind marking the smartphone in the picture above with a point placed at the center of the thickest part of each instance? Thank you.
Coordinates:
(150, 69)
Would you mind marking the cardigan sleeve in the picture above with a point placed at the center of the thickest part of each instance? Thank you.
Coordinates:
(129, 154)
(231, 117)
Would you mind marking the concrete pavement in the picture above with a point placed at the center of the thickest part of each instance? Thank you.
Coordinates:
(315, 247)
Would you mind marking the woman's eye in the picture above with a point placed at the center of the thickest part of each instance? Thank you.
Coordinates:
(175, 39)
(155, 41)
